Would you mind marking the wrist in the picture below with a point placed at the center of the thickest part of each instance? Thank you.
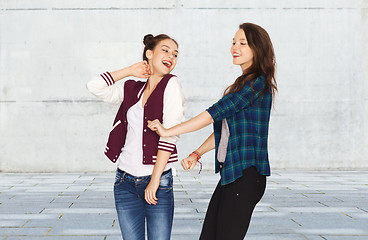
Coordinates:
(128, 71)
(169, 132)
(196, 154)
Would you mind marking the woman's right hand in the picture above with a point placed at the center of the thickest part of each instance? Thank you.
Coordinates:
(189, 162)
(157, 127)
(140, 70)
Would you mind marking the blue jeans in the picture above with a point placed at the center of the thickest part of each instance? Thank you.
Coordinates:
(132, 208)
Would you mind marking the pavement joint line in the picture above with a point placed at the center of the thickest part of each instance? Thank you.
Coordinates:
(362, 209)
(48, 231)
(323, 237)
(52, 200)
(323, 204)
(272, 209)
(339, 199)
(296, 222)
(348, 215)
(25, 223)
(305, 237)
(42, 210)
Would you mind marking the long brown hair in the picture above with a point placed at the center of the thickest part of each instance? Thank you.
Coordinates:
(264, 61)
(151, 41)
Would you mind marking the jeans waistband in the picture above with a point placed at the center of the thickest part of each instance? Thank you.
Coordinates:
(148, 177)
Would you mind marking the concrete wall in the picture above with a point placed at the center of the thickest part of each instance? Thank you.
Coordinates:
(50, 49)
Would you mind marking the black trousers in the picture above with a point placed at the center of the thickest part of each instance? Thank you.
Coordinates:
(231, 207)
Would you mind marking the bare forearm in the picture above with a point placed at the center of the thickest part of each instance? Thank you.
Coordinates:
(200, 121)
(120, 74)
(207, 145)
(161, 161)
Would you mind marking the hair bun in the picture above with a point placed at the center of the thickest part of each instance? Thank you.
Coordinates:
(147, 39)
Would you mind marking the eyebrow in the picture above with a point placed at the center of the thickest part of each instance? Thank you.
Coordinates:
(169, 47)
(240, 39)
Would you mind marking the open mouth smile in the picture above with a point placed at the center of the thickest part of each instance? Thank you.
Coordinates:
(167, 63)
(235, 55)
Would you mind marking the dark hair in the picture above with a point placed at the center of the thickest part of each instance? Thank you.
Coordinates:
(264, 60)
(151, 41)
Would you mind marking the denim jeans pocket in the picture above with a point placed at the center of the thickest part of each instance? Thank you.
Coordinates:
(166, 183)
(118, 179)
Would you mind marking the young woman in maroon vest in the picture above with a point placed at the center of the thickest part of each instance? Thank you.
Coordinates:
(143, 188)
(240, 120)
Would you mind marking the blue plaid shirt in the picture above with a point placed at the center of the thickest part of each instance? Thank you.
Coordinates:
(248, 119)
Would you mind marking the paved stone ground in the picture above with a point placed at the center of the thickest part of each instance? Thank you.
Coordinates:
(297, 205)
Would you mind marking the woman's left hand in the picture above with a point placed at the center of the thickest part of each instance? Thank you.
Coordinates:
(150, 192)
(156, 126)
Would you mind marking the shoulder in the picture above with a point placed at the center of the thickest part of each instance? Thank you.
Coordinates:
(174, 82)
(261, 79)
(133, 83)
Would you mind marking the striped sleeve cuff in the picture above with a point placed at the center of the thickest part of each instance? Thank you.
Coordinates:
(108, 78)
(166, 146)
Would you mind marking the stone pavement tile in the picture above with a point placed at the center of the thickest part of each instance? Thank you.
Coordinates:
(193, 216)
(91, 224)
(24, 231)
(101, 237)
(271, 224)
(79, 210)
(21, 208)
(280, 236)
(185, 210)
(321, 209)
(113, 237)
(329, 223)
(327, 232)
(97, 204)
(12, 223)
(27, 216)
(185, 236)
(346, 237)
(184, 227)
(44, 223)
(314, 237)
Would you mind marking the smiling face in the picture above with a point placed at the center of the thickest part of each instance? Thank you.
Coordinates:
(163, 58)
(241, 52)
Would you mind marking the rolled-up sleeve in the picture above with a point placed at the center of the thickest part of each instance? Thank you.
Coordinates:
(235, 102)
(173, 113)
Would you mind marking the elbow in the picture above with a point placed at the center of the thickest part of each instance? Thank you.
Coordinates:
(88, 86)
(209, 119)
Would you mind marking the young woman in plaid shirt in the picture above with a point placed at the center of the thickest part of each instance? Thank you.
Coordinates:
(240, 119)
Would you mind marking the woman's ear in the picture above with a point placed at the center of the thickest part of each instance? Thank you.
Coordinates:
(149, 54)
